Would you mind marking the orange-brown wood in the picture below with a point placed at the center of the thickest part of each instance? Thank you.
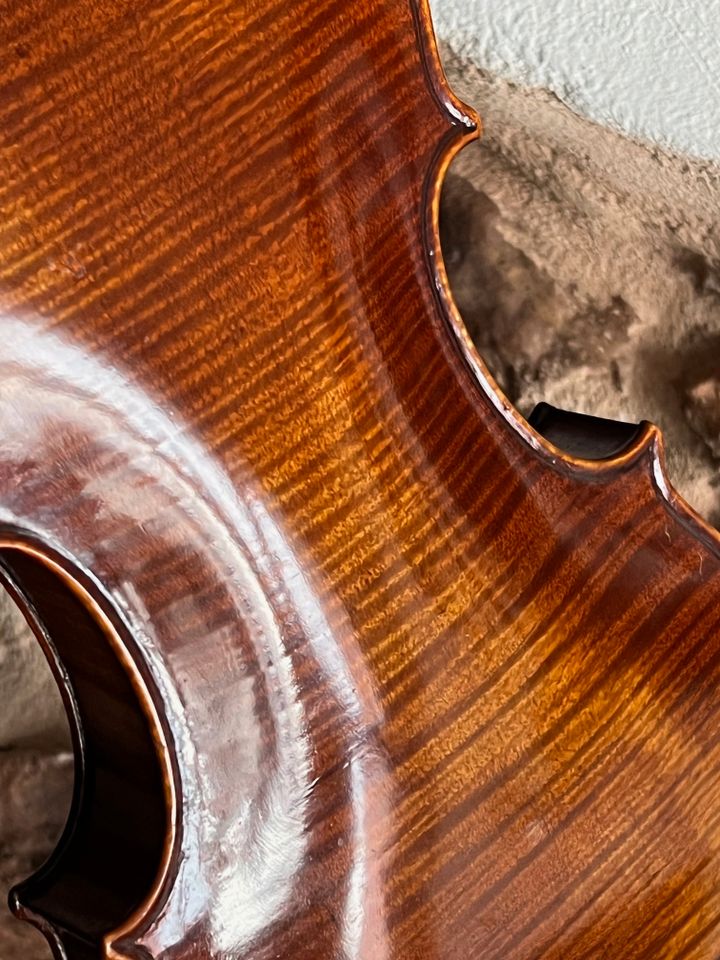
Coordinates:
(403, 681)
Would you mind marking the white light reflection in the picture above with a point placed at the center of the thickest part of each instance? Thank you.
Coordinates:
(250, 853)
(362, 916)
(54, 387)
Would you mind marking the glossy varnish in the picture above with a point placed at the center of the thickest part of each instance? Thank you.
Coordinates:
(419, 686)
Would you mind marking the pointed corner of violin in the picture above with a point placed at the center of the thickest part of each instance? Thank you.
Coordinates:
(52, 934)
(650, 451)
(458, 113)
(127, 949)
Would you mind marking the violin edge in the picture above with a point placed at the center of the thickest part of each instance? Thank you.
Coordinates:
(647, 449)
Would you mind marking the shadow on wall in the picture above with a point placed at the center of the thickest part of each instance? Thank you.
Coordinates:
(512, 307)
(587, 269)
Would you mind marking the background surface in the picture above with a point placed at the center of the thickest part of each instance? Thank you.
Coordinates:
(650, 68)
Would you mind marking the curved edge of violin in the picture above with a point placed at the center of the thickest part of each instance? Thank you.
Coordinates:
(198, 582)
(91, 653)
(647, 451)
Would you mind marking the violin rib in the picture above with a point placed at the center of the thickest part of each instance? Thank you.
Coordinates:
(362, 666)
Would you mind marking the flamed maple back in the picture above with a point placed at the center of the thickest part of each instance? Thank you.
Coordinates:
(359, 666)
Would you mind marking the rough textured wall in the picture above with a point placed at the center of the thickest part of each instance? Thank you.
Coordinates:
(651, 68)
(587, 267)
(35, 785)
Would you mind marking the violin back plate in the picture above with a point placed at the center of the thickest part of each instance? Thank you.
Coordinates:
(419, 686)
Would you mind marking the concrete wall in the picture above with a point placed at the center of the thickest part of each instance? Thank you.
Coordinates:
(650, 68)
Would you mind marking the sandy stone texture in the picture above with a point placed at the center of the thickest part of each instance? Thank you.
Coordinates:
(35, 790)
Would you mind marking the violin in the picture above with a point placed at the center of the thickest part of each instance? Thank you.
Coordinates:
(358, 663)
